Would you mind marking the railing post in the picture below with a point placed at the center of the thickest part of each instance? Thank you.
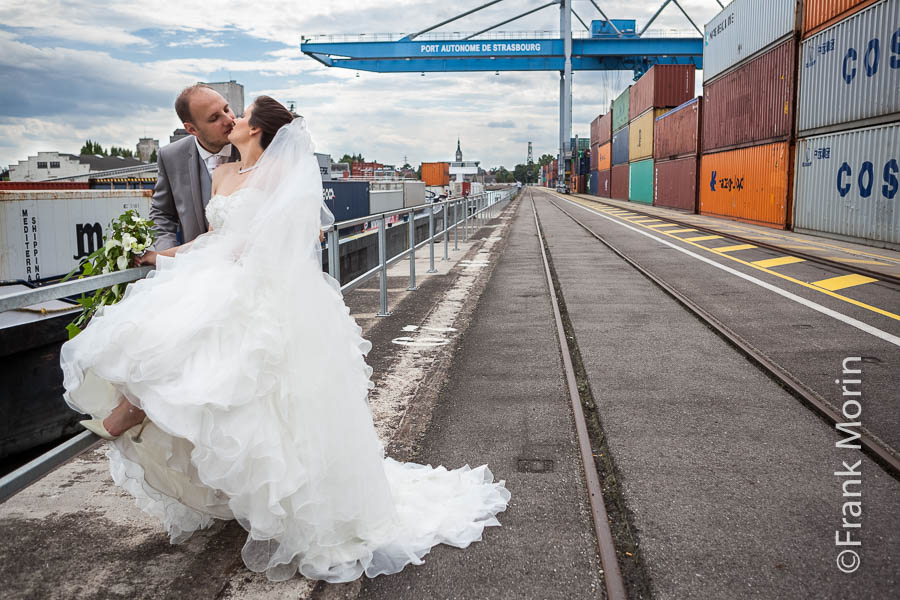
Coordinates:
(446, 221)
(411, 226)
(456, 225)
(431, 268)
(334, 254)
(466, 218)
(382, 261)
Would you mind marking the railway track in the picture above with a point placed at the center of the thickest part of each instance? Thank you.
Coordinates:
(852, 268)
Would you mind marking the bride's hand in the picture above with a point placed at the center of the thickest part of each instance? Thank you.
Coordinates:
(147, 258)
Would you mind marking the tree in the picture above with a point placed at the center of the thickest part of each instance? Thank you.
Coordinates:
(92, 148)
(352, 158)
(153, 157)
(546, 159)
(4, 175)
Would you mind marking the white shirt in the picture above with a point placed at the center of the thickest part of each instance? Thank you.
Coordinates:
(213, 160)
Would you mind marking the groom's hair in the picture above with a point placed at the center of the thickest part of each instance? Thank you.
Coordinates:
(269, 115)
(183, 102)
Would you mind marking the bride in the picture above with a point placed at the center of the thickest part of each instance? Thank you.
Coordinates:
(233, 385)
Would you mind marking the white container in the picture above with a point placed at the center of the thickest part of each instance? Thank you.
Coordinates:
(847, 185)
(743, 29)
(44, 234)
(381, 201)
(850, 72)
(413, 193)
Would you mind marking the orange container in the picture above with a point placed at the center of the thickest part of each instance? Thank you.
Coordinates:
(604, 157)
(436, 173)
(819, 14)
(749, 184)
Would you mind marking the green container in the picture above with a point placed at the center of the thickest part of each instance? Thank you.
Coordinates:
(640, 181)
(620, 108)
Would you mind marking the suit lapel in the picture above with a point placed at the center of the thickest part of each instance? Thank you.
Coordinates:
(196, 191)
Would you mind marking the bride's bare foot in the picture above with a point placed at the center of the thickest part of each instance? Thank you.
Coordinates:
(123, 417)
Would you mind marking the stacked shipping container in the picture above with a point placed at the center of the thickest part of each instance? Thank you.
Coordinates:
(601, 154)
(618, 184)
(749, 60)
(676, 148)
(848, 122)
(660, 88)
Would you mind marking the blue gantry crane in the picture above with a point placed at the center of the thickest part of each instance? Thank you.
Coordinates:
(607, 44)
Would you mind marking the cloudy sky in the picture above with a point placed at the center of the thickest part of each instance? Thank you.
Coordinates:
(109, 71)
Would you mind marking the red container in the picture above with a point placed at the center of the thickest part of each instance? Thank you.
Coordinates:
(466, 188)
(754, 104)
(619, 183)
(677, 133)
(45, 185)
(604, 183)
(601, 129)
(675, 183)
(661, 86)
(819, 14)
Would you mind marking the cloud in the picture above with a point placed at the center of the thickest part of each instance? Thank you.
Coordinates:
(203, 41)
(501, 124)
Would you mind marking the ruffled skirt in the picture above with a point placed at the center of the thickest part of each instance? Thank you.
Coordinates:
(255, 386)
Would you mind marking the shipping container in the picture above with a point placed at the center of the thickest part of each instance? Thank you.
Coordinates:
(640, 135)
(752, 104)
(604, 157)
(850, 73)
(663, 86)
(619, 152)
(819, 14)
(592, 185)
(381, 201)
(620, 108)
(640, 181)
(618, 186)
(601, 129)
(847, 185)
(413, 193)
(604, 183)
(744, 28)
(675, 183)
(45, 233)
(44, 185)
(436, 173)
(346, 199)
(749, 184)
(677, 132)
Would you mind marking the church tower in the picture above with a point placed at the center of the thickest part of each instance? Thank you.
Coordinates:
(458, 151)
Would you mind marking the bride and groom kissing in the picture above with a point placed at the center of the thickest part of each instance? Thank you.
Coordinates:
(231, 382)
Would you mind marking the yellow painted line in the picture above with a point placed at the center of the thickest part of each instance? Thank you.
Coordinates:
(777, 262)
(664, 225)
(858, 261)
(734, 248)
(810, 286)
(844, 281)
(644, 222)
(702, 238)
(679, 231)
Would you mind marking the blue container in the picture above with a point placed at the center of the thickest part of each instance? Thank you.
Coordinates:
(594, 184)
(620, 146)
(346, 199)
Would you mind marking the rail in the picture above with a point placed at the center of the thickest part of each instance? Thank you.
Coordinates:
(469, 213)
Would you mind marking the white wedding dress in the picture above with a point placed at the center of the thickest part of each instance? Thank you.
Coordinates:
(252, 374)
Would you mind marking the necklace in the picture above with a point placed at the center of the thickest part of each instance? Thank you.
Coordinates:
(247, 170)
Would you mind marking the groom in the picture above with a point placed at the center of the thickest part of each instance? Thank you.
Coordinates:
(186, 166)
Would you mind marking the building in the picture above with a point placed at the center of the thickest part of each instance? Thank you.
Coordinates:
(178, 134)
(233, 93)
(146, 147)
(52, 165)
(461, 170)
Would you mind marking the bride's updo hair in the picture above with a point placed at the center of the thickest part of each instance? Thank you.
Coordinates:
(269, 115)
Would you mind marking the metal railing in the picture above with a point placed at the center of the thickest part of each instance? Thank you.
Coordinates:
(469, 213)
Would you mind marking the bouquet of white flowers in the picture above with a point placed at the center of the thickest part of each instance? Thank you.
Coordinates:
(130, 237)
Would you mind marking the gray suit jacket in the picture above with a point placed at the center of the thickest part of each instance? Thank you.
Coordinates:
(181, 194)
